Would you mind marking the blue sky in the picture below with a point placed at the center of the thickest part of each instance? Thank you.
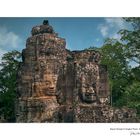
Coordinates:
(80, 33)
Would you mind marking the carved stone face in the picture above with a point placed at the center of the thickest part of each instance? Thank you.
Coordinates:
(88, 91)
(88, 78)
(50, 84)
(47, 87)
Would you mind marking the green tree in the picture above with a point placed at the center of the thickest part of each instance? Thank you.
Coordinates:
(135, 73)
(8, 71)
(131, 96)
(113, 56)
(131, 38)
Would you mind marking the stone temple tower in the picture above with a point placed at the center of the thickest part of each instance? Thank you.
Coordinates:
(58, 85)
(38, 74)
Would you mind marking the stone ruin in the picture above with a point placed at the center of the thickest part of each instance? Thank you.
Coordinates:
(58, 85)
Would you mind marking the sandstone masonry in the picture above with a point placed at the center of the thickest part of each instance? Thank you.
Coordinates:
(58, 85)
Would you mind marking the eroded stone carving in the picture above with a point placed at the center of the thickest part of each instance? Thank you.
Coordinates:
(58, 85)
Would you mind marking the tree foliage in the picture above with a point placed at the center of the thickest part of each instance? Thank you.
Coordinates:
(131, 96)
(132, 39)
(116, 54)
(113, 56)
(8, 71)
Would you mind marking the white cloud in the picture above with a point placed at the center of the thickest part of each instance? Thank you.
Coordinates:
(104, 30)
(115, 22)
(111, 26)
(1, 54)
(116, 36)
(8, 39)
